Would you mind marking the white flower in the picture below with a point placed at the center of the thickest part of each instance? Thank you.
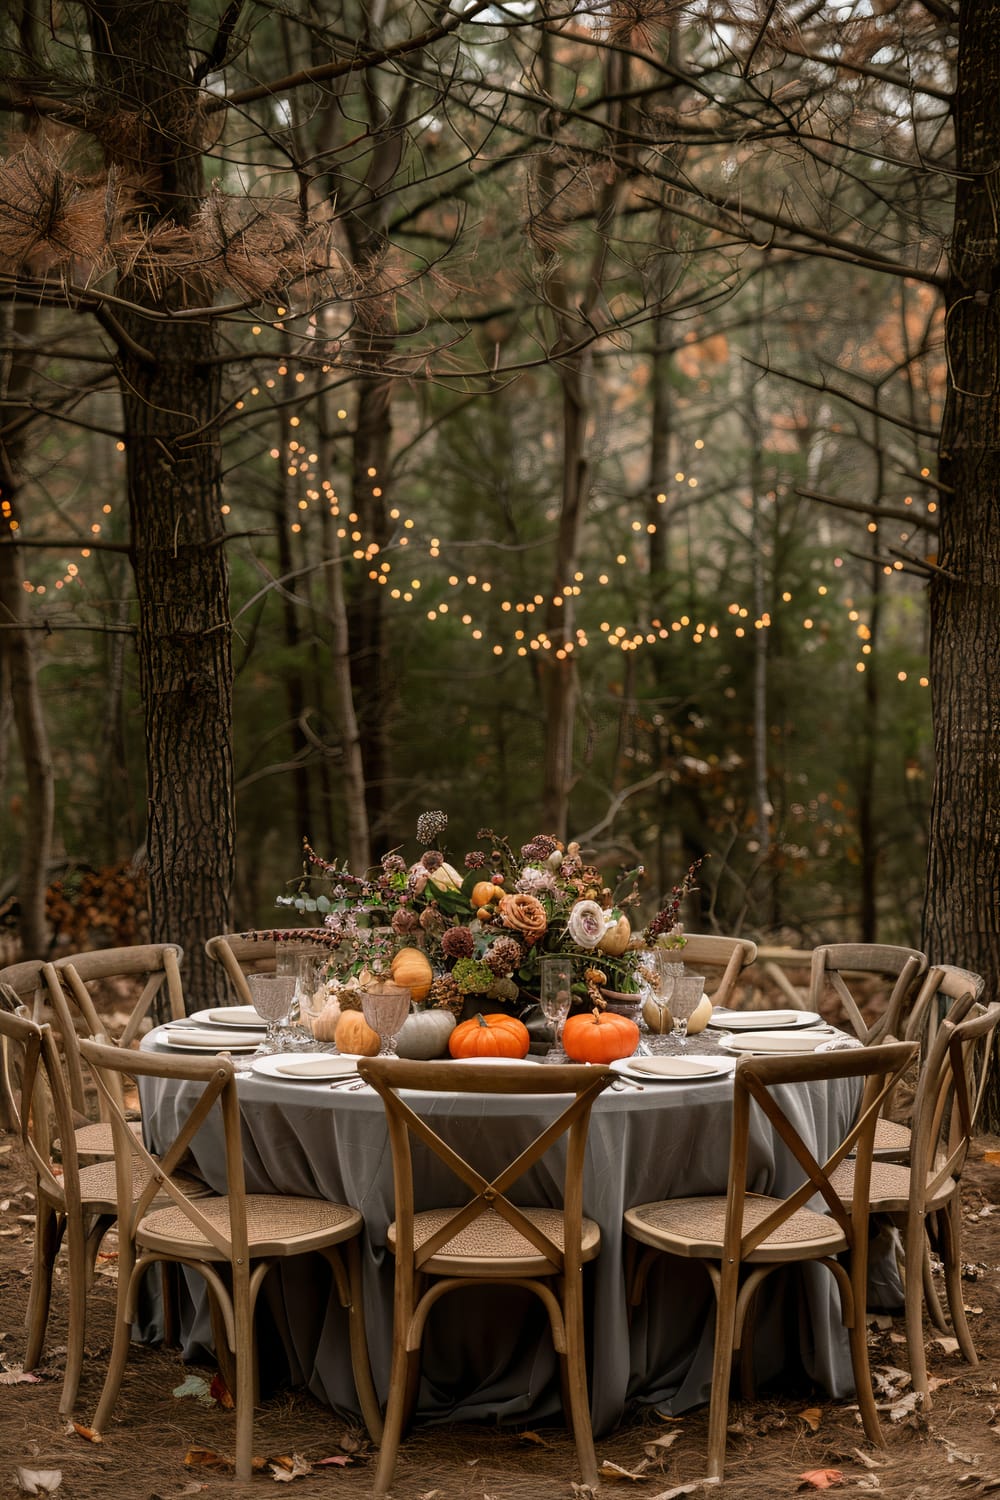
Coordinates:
(535, 882)
(587, 924)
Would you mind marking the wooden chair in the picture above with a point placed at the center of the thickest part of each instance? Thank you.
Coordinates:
(232, 1240)
(488, 1240)
(831, 962)
(960, 988)
(73, 1203)
(73, 983)
(21, 985)
(742, 1237)
(928, 1192)
(714, 952)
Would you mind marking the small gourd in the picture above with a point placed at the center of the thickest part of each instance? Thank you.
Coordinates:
(616, 939)
(425, 1034)
(324, 1023)
(484, 891)
(353, 1034)
(412, 969)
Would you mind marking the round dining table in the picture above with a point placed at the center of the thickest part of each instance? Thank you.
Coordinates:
(487, 1355)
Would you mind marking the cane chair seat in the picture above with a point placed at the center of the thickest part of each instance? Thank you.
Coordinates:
(892, 1138)
(276, 1226)
(97, 1139)
(490, 1245)
(695, 1226)
(890, 1187)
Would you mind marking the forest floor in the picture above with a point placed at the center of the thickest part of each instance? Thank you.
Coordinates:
(163, 1444)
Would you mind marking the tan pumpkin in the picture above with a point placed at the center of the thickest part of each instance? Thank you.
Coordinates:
(426, 1034)
(323, 1024)
(599, 1037)
(700, 1016)
(412, 969)
(353, 1034)
(616, 939)
(490, 1036)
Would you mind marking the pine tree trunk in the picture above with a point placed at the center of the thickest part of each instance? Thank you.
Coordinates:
(172, 403)
(962, 913)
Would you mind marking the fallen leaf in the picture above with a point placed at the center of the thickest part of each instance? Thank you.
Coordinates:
(17, 1376)
(867, 1460)
(341, 1461)
(869, 1482)
(812, 1417)
(947, 1345)
(38, 1481)
(992, 1156)
(285, 1470)
(609, 1470)
(660, 1444)
(87, 1433)
(691, 1488)
(219, 1392)
(534, 1437)
(820, 1479)
(905, 1406)
(197, 1387)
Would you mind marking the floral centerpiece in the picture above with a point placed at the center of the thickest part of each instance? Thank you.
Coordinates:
(483, 929)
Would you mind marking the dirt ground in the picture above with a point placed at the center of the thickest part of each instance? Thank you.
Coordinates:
(151, 1451)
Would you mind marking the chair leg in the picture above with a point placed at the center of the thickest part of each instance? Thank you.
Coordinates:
(119, 1354)
(401, 1379)
(931, 1298)
(49, 1227)
(913, 1289)
(80, 1253)
(951, 1232)
(576, 1379)
(246, 1380)
(360, 1362)
(722, 1368)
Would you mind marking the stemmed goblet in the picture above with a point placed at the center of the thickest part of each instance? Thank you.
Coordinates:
(556, 976)
(686, 997)
(272, 996)
(385, 1007)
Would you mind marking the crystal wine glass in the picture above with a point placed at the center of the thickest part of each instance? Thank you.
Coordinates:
(385, 1008)
(556, 977)
(272, 996)
(685, 1000)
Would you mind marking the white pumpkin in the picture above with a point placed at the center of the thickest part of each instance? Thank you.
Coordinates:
(425, 1034)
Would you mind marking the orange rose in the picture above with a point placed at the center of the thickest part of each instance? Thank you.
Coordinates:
(525, 915)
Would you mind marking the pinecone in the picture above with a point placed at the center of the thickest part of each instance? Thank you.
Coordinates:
(444, 993)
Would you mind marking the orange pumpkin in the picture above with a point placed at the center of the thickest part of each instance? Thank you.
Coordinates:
(412, 969)
(490, 1036)
(484, 891)
(599, 1037)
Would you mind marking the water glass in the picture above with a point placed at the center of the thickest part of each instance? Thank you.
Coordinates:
(385, 1008)
(272, 996)
(556, 978)
(686, 997)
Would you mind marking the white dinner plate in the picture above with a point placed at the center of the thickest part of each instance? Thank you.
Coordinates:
(764, 1020)
(674, 1069)
(305, 1067)
(778, 1043)
(229, 1015)
(210, 1039)
(517, 1062)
